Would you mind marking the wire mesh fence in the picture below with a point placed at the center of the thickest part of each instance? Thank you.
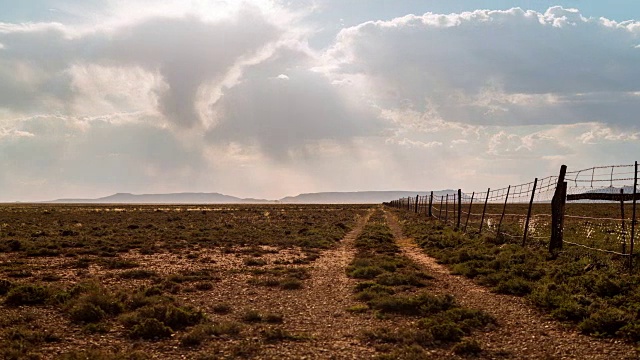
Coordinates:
(595, 211)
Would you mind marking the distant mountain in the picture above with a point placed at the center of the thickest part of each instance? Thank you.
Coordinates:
(358, 197)
(176, 198)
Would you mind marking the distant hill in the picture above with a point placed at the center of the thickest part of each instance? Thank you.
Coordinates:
(358, 197)
(176, 198)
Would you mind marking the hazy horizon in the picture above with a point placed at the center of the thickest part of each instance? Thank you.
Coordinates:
(266, 99)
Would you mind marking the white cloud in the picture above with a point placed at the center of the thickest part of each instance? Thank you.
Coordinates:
(510, 67)
(233, 97)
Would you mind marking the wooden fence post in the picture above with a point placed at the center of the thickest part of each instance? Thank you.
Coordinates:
(446, 210)
(430, 203)
(417, 199)
(409, 203)
(557, 213)
(633, 217)
(440, 213)
(469, 213)
(624, 233)
(484, 210)
(504, 208)
(459, 208)
(526, 224)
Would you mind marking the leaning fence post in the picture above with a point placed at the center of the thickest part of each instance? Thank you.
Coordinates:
(504, 208)
(484, 210)
(526, 224)
(430, 203)
(417, 198)
(633, 217)
(557, 212)
(624, 233)
(469, 213)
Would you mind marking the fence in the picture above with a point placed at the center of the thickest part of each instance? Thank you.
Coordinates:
(592, 209)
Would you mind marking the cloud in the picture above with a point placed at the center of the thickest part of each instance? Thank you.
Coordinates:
(282, 117)
(235, 97)
(511, 67)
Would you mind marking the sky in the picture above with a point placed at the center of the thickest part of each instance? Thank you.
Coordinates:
(267, 99)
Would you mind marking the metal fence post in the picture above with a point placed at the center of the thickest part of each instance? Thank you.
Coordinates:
(469, 213)
(557, 212)
(484, 210)
(430, 203)
(633, 217)
(446, 210)
(526, 225)
(459, 208)
(624, 232)
(504, 208)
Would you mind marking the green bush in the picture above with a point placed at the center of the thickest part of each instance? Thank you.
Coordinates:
(5, 286)
(27, 295)
(150, 329)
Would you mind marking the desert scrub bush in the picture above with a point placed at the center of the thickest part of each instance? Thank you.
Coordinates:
(605, 322)
(278, 334)
(222, 308)
(413, 305)
(290, 284)
(251, 316)
(254, 262)
(27, 294)
(118, 263)
(99, 354)
(138, 274)
(150, 329)
(467, 347)
(92, 303)
(5, 286)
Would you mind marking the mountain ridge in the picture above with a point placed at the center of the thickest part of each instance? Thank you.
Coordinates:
(336, 197)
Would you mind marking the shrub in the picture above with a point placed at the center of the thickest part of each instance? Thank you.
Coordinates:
(467, 347)
(273, 318)
(291, 284)
(27, 295)
(514, 286)
(5, 286)
(251, 316)
(605, 322)
(86, 312)
(366, 272)
(138, 274)
(222, 308)
(150, 329)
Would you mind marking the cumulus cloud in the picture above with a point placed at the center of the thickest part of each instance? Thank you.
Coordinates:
(511, 67)
(235, 97)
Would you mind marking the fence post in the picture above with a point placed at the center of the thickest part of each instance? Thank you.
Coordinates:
(633, 217)
(417, 198)
(446, 209)
(459, 208)
(484, 210)
(504, 208)
(440, 213)
(409, 203)
(624, 233)
(557, 212)
(526, 224)
(469, 213)
(430, 203)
